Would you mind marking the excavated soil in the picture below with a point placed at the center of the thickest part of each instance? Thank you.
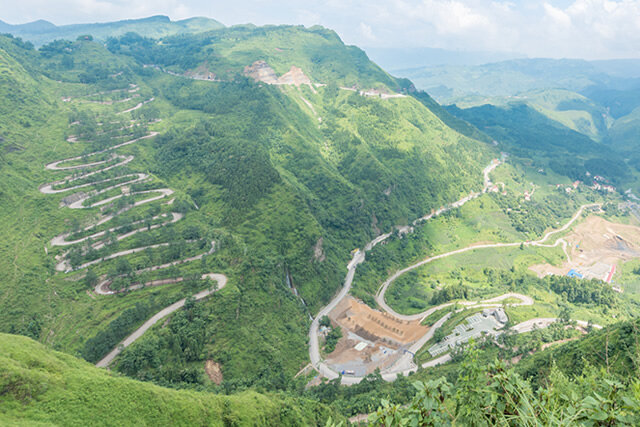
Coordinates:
(595, 247)
(261, 71)
(375, 325)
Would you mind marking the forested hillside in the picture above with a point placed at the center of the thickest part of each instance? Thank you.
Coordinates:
(261, 215)
(271, 185)
(541, 105)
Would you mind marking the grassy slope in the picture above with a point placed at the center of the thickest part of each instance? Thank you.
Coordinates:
(568, 108)
(623, 135)
(38, 385)
(529, 134)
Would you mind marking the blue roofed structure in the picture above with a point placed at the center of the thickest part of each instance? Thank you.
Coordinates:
(574, 273)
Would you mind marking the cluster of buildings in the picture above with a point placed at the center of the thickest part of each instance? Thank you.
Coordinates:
(601, 183)
(488, 322)
(569, 189)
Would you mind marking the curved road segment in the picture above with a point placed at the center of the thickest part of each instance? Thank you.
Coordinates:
(405, 364)
(106, 361)
(103, 287)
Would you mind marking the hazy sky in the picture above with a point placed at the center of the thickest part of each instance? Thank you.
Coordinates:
(553, 28)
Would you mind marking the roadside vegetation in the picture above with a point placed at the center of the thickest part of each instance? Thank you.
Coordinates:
(273, 186)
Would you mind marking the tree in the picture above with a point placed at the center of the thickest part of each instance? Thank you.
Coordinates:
(123, 267)
(325, 321)
(438, 335)
(91, 279)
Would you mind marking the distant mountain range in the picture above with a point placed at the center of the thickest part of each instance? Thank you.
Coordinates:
(448, 83)
(41, 32)
(393, 59)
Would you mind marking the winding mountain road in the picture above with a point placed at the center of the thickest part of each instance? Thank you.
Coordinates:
(78, 203)
(220, 278)
(385, 285)
(404, 365)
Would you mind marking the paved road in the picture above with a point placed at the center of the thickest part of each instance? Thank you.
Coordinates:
(61, 240)
(48, 188)
(137, 106)
(544, 322)
(220, 278)
(103, 287)
(405, 364)
(78, 204)
(66, 267)
(357, 258)
(385, 285)
(54, 165)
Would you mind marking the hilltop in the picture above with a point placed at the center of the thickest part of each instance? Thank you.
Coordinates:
(41, 32)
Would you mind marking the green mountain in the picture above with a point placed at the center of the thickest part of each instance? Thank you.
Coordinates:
(625, 131)
(285, 178)
(447, 83)
(614, 349)
(42, 32)
(527, 133)
(570, 109)
(178, 209)
(594, 98)
(44, 387)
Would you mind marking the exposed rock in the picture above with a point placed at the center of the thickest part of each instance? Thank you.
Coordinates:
(295, 76)
(261, 71)
(201, 73)
(318, 253)
(66, 201)
(374, 225)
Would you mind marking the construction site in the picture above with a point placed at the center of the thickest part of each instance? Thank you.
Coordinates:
(594, 249)
(371, 339)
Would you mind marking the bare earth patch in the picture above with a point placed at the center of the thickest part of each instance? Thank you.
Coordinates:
(214, 371)
(371, 339)
(595, 247)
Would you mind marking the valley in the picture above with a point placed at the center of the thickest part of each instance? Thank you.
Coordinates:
(397, 358)
(180, 201)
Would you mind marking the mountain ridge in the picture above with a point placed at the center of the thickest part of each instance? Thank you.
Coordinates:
(41, 31)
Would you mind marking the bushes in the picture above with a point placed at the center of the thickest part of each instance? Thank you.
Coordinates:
(450, 293)
(107, 339)
(332, 339)
(495, 395)
(582, 291)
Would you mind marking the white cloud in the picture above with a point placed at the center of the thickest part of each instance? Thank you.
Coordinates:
(557, 28)
(367, 32)
(557, 16)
